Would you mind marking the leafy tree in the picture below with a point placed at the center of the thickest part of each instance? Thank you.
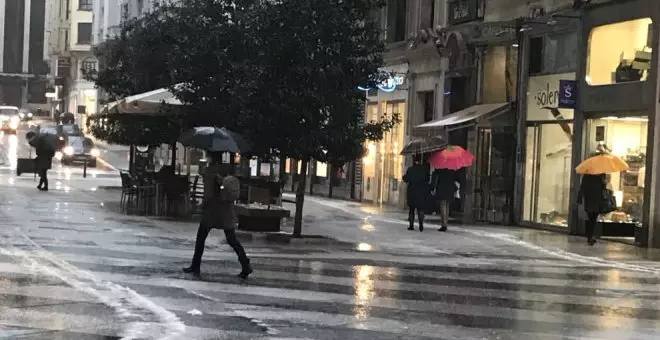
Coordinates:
(313, 55)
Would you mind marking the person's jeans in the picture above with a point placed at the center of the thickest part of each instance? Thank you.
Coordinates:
(590, 225)
(411, 216)
(230, 236)
(444, 212)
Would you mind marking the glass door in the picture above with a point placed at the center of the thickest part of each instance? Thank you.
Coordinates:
(547, 173)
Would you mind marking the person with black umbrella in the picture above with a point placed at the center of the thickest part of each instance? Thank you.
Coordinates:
(44, 160)
(221, 190)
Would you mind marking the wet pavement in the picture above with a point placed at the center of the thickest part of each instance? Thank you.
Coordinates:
(72, 268)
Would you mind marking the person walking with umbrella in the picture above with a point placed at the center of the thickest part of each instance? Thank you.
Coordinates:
(417, 178)
(447, 162)
(221, 190)
(594, 196)
(44, 160)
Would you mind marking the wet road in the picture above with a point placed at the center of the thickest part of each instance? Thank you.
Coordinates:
(71, 268)
(14, 146)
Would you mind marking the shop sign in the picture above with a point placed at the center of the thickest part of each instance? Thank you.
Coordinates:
(390, 84)
(461, 11)
(545, 95)
(567, 94)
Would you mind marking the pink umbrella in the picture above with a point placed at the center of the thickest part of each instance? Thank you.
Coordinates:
(452, 157)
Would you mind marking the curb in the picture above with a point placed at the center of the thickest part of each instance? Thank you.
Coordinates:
(285, 238)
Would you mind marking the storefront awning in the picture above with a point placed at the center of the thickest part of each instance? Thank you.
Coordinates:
(466, 115)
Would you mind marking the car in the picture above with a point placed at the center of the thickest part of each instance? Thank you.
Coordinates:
(9, 119)
(69, 130)
(79, 149)
(25, 115)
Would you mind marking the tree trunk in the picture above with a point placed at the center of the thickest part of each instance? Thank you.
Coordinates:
(311, 178)
(294, 173)
(283, 174)
(131, 159)
(352, 168)
(331, 179)
(300, 199)
(173, 156)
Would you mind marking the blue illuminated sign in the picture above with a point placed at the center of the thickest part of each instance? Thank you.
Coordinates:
(388, 85)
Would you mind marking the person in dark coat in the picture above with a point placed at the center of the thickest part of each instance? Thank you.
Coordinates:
(417, 178)
(444, 186)
(591, 197)
(220, 192)
(44, 160)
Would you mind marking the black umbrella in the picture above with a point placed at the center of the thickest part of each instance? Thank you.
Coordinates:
(214, 139)
(424, 145)
(50, 142)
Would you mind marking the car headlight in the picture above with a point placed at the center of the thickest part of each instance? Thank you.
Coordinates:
(95, 152)
(21, 115)
(68, 151)
(2, 118)
(29, 114)
(13, 122)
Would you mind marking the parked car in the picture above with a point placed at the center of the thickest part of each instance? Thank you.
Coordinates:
(9, 119)
(25, 115)
(79, 149)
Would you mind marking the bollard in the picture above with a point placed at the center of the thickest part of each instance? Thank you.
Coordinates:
(85, 168)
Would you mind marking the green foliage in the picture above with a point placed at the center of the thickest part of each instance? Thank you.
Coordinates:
(126, 129)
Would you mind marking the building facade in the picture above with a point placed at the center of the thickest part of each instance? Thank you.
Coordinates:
(70, 53)
(23, 70)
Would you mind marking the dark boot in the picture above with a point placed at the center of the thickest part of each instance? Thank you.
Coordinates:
(192, 270)
(443, 228)
(246, 270)
(421, 226)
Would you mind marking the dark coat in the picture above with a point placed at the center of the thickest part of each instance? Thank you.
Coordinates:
(220, 193)
(591, 192)
(417, 178)
(45, 154)
(443, 183)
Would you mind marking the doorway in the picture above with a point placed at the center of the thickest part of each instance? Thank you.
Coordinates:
(547, 184)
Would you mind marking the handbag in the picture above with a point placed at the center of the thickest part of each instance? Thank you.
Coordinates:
(608, 202)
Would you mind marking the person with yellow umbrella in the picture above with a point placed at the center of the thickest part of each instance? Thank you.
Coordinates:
(594, 195)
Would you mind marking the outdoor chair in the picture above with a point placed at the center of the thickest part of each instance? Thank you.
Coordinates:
(128, 191)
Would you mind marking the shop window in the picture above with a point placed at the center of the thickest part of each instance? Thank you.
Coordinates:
(627, 138)
(620, 52)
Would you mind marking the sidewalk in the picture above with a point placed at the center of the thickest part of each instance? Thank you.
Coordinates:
(385, 231)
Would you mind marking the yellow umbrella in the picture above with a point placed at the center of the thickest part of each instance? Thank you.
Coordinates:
(601, 164)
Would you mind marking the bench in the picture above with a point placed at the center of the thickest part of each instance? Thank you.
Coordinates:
(262, 216)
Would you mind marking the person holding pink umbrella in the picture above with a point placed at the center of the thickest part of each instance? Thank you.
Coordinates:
(447, 162)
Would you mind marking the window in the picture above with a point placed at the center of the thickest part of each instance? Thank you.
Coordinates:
(427, 13)
(429, 105)
(84, 5)
(140, 7)
(396, 20)
(85, 33)
(619, 52)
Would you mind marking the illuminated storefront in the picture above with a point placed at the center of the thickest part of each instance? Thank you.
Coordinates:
(616, 110)
(382, 166)
(548, 152)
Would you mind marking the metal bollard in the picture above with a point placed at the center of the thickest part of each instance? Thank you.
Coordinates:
(85, 169)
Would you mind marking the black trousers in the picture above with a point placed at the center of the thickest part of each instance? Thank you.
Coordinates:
(590, 225)
(43, 178)
(230, 236)
(411, 216)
